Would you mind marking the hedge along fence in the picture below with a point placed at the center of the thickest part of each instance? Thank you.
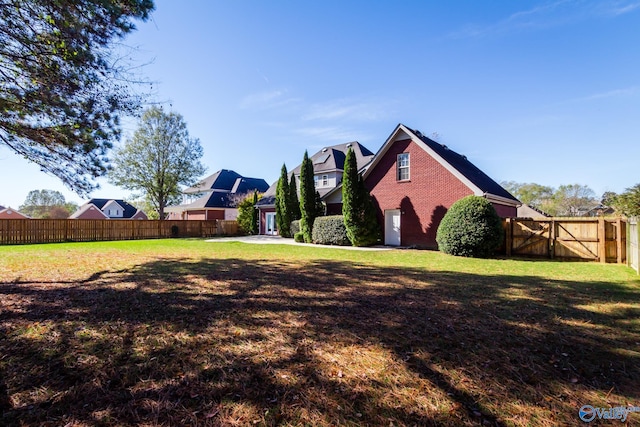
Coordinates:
(30, 231)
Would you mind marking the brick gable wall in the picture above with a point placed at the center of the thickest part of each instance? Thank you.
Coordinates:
(423, 200)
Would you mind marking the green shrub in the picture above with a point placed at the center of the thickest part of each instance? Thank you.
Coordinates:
(471, 228)
(330, 230)
(295, 227)
(299, 237)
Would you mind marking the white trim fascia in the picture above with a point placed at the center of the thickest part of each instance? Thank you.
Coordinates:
(265, 206)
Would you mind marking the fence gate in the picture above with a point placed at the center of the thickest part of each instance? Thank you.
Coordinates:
(633, 243)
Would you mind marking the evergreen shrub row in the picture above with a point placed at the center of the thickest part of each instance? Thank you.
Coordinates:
(330, 230)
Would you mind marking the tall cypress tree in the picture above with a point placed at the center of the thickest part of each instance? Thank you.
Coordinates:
(283, 216)
(294, 210)
(254, 214)
(307, 198)
(357, 207)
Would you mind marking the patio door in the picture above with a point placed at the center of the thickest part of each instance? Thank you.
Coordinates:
(392, 227)
(270, 219)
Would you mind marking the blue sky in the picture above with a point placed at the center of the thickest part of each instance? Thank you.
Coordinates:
(529, 91)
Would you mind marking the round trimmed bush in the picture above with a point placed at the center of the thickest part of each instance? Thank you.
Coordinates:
(471, 228)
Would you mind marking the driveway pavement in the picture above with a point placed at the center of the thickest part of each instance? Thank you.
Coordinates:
(277, 240)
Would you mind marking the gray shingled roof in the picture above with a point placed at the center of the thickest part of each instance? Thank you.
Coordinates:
(464, 167)
(129, 209)
(220, 189)
(328, 159)
(332, 158)
(228, 180)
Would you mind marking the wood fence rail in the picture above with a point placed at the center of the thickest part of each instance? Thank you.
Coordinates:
(592, 239)
(30, 231)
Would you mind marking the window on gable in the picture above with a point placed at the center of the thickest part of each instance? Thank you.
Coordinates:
(316, 180)
(325, 180)
(403, 167)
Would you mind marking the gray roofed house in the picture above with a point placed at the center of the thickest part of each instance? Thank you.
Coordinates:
(216, 196)
(328, 167)
(108, 209)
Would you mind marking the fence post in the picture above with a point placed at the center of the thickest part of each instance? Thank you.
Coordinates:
(619, 240)
(552, 239)
(509, 236)
(602, 240)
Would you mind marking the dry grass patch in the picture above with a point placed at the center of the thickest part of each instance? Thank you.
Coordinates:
(187, 333)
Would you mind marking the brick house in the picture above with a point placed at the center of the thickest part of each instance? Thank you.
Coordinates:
(328, 168)
(108, 209)
(8, 213)
(215, 197)
(414, 180)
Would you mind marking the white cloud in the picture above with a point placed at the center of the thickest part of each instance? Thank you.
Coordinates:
(617, 8)
(616, 93)
(542, 16)
(548, 15)
(347, 110)
(268, 99)
(330, 134)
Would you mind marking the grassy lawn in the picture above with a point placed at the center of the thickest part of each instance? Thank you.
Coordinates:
(184, 332)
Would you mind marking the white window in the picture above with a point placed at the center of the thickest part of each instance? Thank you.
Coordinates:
(325, 180)
(403, 167)
(316, 180)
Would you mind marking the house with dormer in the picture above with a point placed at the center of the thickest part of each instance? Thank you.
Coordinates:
(108, 209)
(328, 168)
(215, 197)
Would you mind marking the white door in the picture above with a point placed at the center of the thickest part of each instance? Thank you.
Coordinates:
(270, 219)
(392, 227)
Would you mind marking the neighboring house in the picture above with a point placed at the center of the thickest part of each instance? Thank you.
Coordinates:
(415, 180)
(216, 196)
(599, 210)
(328, 168)
(108, 209)
(8, 213)
(526, 211)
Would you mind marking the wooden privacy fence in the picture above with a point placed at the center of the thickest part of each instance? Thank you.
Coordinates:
(24, 231)
(592, 239)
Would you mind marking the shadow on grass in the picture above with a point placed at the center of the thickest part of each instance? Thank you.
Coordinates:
(179, 342)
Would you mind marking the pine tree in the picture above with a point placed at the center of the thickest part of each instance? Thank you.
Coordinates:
(357, 207)
(307, 198)
(293, 199)
(283, 216)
